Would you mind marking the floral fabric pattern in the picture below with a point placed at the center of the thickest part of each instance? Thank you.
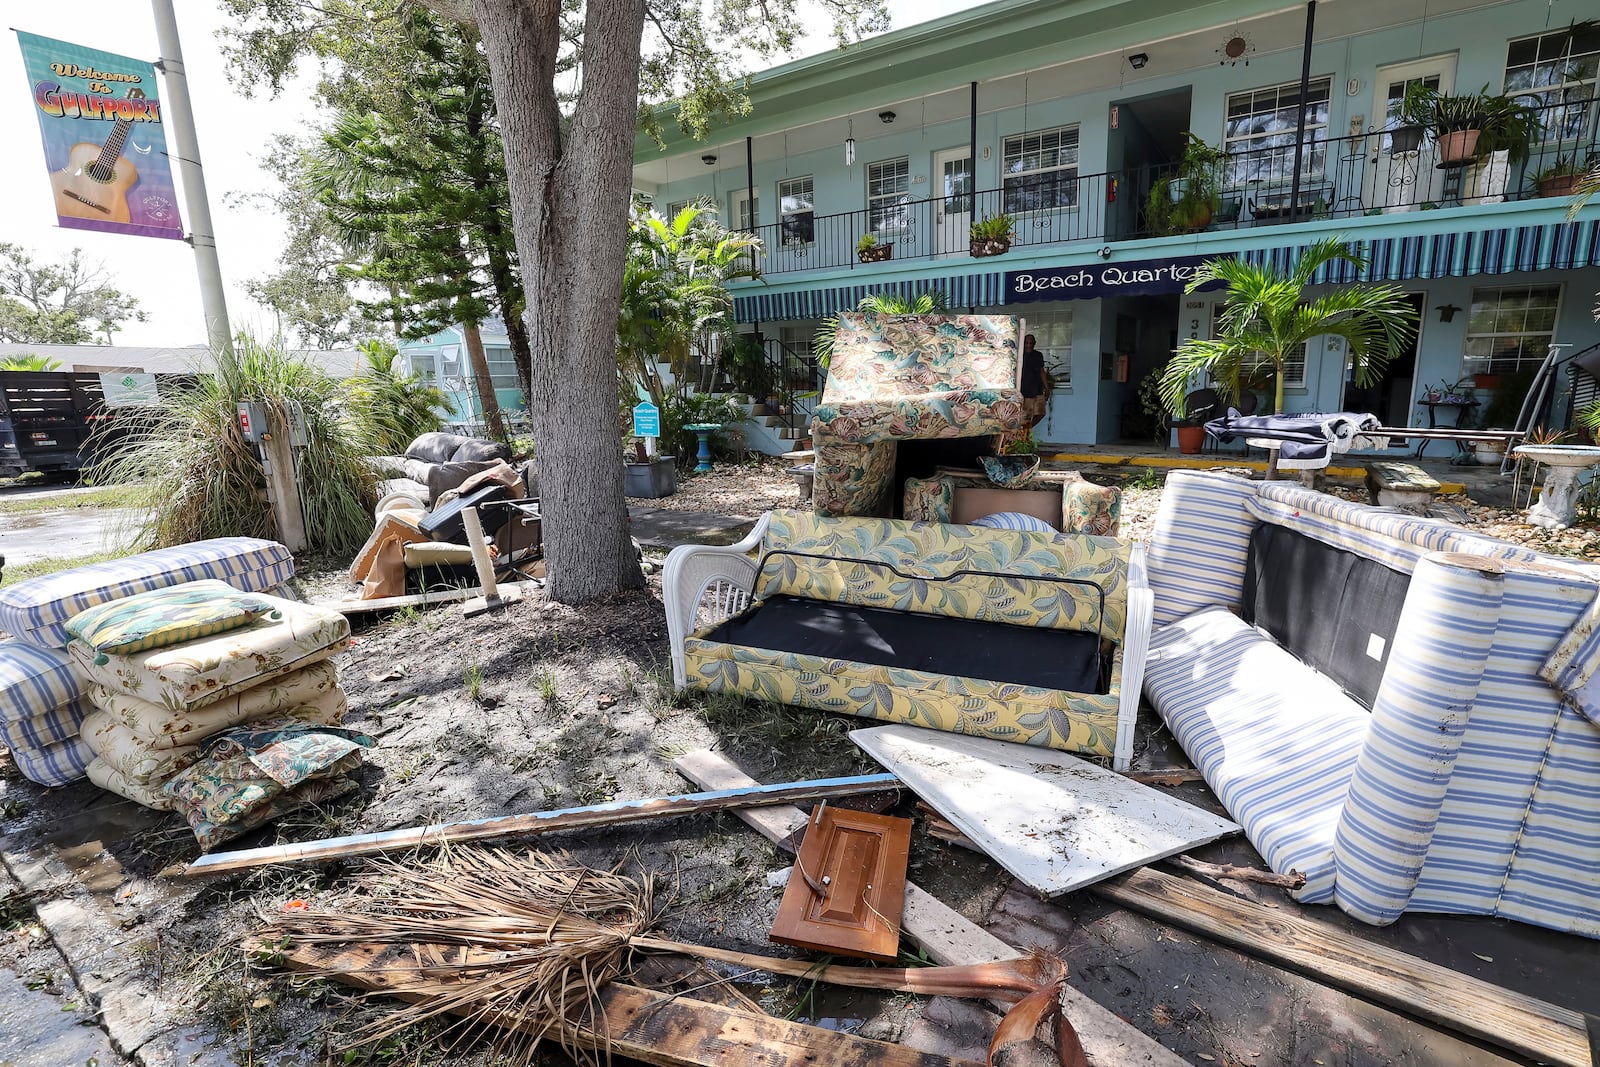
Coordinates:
(186, 676)
(1071, 722)
(165, 727)
(902, 378)
(859, 559)
(252, 774)
(928, 500)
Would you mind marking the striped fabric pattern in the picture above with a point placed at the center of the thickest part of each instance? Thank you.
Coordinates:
(37, 610)
(33, 681)
(1419, 719)
(980, 289)
(46, 728)
(55, 764)
(1201, 540)
(1014, 520)
(1275, 740)
(1502, 250)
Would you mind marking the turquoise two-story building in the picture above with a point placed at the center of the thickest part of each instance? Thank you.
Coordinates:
(1072, 117)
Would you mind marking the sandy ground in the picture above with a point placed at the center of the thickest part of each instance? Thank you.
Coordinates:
(544, 706)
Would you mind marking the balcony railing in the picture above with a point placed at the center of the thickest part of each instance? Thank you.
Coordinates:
(1340, 178)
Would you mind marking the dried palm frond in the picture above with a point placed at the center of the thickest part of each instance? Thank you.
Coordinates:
(535, 936)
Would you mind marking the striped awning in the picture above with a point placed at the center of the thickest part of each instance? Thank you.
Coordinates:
(960, 290)
(1561, 246)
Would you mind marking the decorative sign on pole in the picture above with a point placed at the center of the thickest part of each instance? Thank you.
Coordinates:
(646, 420)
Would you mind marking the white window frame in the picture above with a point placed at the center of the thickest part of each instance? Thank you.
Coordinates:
(1014, 152)
(804, 233)
(1529, 355)
(1279, 156)
(1573, 81)
(889, 213)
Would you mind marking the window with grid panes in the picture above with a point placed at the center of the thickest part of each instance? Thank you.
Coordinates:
(1556, 73)
(1041, 170)
(796, 210)
(1510, 326)
(889, 197)
(1052, 336)
(1294, 365)
(1259, 133)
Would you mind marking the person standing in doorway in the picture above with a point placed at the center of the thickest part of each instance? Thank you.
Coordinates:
(1035, 382)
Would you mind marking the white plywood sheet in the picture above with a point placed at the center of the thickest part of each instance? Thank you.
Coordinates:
(1055, 821)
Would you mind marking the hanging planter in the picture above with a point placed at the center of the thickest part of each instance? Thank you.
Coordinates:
(991, 236)
(870, 250)
(990, 246)
(1405, 139)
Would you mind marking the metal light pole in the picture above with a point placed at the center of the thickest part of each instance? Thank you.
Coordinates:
(202, 236)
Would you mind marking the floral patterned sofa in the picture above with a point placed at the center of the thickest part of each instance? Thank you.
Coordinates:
(1020, 636)
(895, 378)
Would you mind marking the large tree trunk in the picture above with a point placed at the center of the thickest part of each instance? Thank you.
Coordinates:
(569, 208)
(488, 403)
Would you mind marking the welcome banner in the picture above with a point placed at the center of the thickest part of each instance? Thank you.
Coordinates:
(100, 118)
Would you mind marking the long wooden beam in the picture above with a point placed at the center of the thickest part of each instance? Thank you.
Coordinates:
(661, 1029)
(1456, 1001)
(946, 935)
(539, 822)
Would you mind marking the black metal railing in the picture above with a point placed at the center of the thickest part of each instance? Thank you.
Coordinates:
(796, 383)
(1342, 177)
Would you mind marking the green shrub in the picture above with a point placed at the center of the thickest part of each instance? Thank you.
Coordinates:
(202, 479)
(393, 409)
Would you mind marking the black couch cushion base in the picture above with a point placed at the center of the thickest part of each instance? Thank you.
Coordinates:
(1335, 610)
(1068, 660)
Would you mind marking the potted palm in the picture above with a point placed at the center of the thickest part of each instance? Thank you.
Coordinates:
(1186, 201)
(991, 236)
(870, 250)
(1268, 317)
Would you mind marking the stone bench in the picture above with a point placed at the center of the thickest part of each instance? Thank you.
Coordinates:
(1404, 485)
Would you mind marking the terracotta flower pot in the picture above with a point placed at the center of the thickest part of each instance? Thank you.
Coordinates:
(1560, 185)
(1191, 439)
(1457, 146)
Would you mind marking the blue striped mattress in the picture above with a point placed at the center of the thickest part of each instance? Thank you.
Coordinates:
(36, 611)
(1470, 787)
(57, 764)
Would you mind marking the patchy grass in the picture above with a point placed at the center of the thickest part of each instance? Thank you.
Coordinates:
(110, 496)
(21, 572)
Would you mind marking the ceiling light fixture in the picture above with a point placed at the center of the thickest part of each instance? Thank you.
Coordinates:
(709, 159)
(1138, 60)
(886, 117)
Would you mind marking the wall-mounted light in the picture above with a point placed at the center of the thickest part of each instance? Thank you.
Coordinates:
(886, 117)
(1104, 252)
(1138, 60)
(709, 159)
(1446, 312)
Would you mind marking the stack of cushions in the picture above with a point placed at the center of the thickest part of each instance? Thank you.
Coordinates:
(167, 669)
(41, 698)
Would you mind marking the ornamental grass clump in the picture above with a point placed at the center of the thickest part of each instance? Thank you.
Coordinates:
(189, 463)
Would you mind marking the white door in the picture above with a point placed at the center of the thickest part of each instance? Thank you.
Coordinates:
(1404, 180)
(746, 213)
(953, 215)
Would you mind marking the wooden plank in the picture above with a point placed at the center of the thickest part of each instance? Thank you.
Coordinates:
(1455, 1001)
(424, 600)
(1056, 822)
(948, 937)
(539, 822)
(655, 1028)
(848, 889)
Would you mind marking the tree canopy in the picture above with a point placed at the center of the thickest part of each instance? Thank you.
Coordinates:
(65, 303)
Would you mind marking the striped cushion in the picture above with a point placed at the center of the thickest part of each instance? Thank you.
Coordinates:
(33, 681)
(1014, 520)
(47, 728)
(1276, 741)
(55, 764)
(36, 611)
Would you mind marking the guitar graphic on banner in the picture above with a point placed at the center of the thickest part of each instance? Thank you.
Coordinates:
(95, 182)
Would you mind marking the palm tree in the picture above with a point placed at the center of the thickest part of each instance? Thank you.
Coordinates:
(1268, 317)
(927, 303)
(30, 362)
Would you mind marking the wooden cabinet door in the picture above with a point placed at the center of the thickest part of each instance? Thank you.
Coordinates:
(847, 890)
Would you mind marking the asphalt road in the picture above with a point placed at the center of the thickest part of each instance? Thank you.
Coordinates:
(65, 534)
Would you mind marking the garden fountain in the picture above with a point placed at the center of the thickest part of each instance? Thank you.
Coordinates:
(1557, 506)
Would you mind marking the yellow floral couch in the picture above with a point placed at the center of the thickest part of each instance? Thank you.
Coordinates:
(898, 378)
(1020, 636)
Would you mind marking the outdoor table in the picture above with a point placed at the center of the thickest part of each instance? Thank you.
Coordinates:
(703, 430)
(1460, 407)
